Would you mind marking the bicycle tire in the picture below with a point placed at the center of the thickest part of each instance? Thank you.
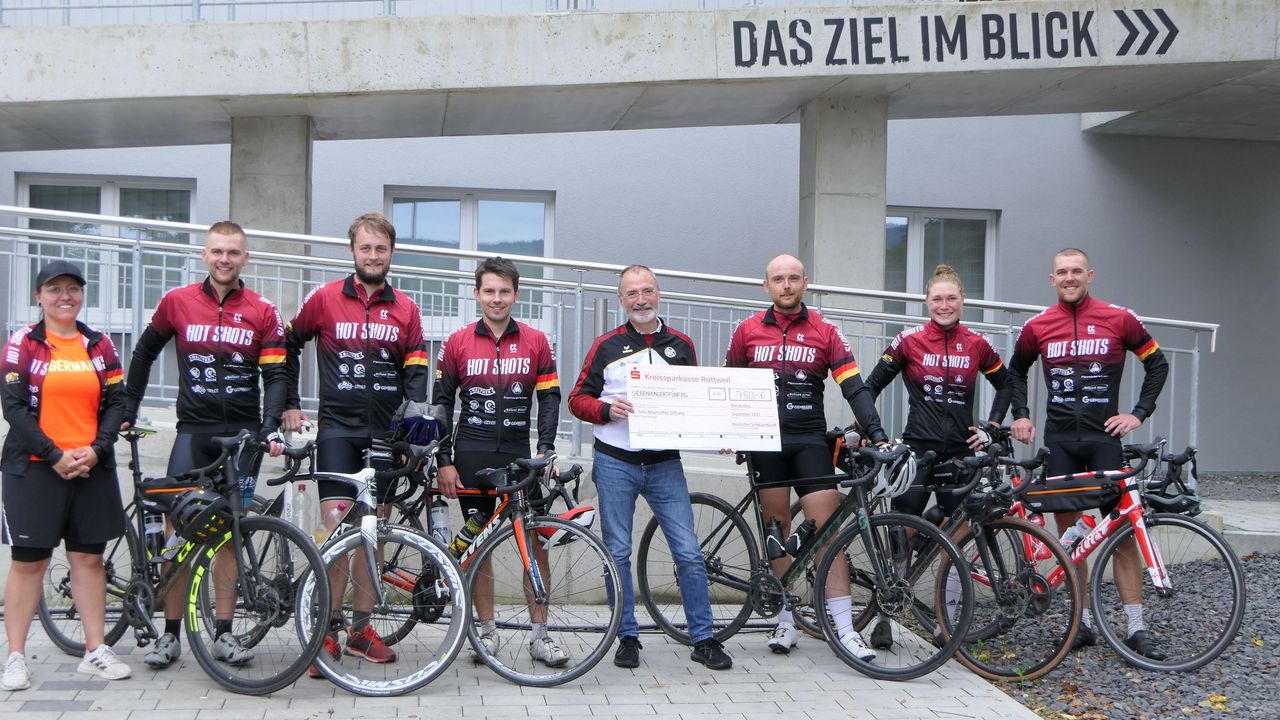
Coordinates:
(284, 628)
(730, 555)
(583, 604)
(1191, 628)
(1022, 625)
(912, 653)
(424, 647)
(57, 610)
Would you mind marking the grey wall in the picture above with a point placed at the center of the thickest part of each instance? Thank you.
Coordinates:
(1176, 228)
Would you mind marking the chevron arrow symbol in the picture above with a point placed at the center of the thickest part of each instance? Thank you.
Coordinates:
(1149, 31)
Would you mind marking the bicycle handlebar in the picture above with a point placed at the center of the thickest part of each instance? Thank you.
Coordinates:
(413, 454)
(498, 479)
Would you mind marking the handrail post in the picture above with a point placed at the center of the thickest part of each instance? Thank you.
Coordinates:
(195, 11)
(578, 344)
(1193, 429)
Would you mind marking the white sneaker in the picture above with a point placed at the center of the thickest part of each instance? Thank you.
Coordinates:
(491, 644)
(166, 650)
(16, 675)
(854, 643)
(102, 661)
(548, 652)
(783, 638)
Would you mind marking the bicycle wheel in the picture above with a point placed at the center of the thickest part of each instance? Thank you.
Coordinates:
(1192, 621)
(1027, 600)
(730, 555)
(804, 612)
(57, 611)
(912, 652)
(582, 607)
(424, 614)
(272, 615)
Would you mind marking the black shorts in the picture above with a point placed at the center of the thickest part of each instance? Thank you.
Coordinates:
(793, 463)
(468, 463)
(41, 509)
(1076, 456)
(914, 500)
(197, 450)
(346, 455)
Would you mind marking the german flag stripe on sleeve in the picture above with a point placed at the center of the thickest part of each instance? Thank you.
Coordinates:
(845, 370)
(547, 381)
(115, 376)
(271, 356)
(993, 368)
(1145, 351)
(417, 357)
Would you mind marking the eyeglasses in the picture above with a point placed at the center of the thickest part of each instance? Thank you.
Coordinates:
(649, 292)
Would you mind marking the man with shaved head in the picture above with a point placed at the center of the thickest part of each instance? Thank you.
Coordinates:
(801, 347)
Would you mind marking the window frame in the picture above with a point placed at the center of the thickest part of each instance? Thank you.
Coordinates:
(916, 215)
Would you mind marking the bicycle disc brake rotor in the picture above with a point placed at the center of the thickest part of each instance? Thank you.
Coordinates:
(430, 595)
(767, 595)
(895, 598)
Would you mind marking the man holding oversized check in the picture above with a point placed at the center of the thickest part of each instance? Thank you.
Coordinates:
(624, 470)
(800, 347)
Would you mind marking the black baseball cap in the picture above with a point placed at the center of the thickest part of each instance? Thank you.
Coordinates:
(58, 268)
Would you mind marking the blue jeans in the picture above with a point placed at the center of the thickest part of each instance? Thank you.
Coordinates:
(663, 486)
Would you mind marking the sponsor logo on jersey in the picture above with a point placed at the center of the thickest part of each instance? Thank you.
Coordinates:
(219, 334)
(800, 375)
(499, 366)
(237, 318)
(1095, 367)
(789, 353)
(343, 369)
(1096, 388)
(490, 406)
(345, 385)
(959, 379)
(485, 391)
(474, 420)
(1065, 372)
(798, 406)
(944, 361)
(366, 331)
(11, 377)
(508, 422)
(194, 373)
(358, 370)
(669, 351)
(933, 378)
(937, 389)
(237, 357)
(351, 355)
(388, 388)
(517, 388)
(195, 357)
(210, 374)
(928, 388)
(199, 389)
(474, 405)
(1076, 348)
(1068, 385)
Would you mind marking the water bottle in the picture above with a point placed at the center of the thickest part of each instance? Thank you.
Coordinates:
(467, 535)
(798, 536)
(154, 526)
(301, 507)
(440, 521)
(773, 539)
(1038, 549)
(1074, 533)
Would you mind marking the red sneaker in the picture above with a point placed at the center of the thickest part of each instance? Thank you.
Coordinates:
(331, 647)
(368, 645)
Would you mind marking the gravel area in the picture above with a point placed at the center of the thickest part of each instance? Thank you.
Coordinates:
(1095, 684)
(1263, 487)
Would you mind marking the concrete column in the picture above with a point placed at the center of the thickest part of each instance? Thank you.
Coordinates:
(271, 190)
(843, 146)
(271, 173)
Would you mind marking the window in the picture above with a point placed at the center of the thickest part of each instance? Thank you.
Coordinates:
(490, 222)
(917, 241)
(107, 267)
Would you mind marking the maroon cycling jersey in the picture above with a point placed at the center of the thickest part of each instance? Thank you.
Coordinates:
(940, 368)
(801, 349)
(370, 353)
(25, 366)
(1081, 348)
(497, 379)
(223, 346)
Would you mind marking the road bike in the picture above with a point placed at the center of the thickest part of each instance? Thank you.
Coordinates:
(261, 562)
(742, 582)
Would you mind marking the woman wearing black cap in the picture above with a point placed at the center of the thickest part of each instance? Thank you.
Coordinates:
(63, 402)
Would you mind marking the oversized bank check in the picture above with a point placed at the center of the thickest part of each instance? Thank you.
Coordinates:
(702, 408)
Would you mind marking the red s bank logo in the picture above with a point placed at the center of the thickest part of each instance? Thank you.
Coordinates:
(635, 373)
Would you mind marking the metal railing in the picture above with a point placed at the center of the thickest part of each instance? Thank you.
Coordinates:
(572, 302)
(33, 13)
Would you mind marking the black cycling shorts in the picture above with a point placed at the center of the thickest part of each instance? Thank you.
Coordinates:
(793, 463)
(41, 509)
(197, 450)
(468, 463)
(914, 500)
(1076, 456)
(346, 455)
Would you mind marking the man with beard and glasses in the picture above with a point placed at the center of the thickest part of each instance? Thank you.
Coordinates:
(226, 336)
(372, 358)
(622, 473)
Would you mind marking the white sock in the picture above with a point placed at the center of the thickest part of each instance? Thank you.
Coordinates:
(488, 627)
(786, 617)
(1133, 613)
(953, 593)
(841, 611)
(1086, 618)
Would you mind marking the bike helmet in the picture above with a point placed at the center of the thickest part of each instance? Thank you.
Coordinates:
(896, 477)
(584, 515)
(420, 429)
(201, 515)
